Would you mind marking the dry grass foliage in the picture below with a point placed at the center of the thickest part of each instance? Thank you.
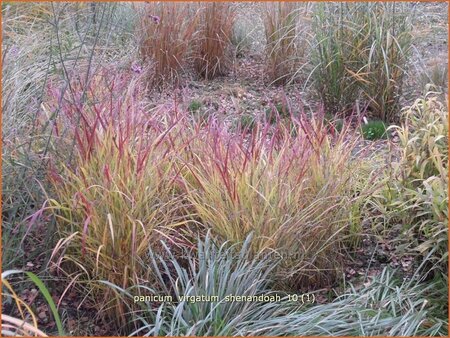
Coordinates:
(285, 45)
(166, 30)
(212, 46)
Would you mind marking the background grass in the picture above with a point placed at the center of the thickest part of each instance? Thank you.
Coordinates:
(361, 51)
(95, 173)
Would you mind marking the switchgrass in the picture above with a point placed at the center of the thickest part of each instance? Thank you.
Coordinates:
(108, 212)
(335, 52)
(25, 63)
(361, 51)
(294, 193)
(386, 57)
(41, 43)
(165, 34)
(212, 45)
(284, 41)
(118, 178)
(116, 198)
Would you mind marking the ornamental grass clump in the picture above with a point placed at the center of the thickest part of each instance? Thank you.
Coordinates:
(285, 44)
(334, 49)
(115, 198)
(166, 30)
(385, 305)
(294, 193)
(215, 272)
(361, 52)
(212, 46)
(416, 194)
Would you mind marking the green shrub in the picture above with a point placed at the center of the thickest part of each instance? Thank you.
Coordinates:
(374, 130)
(194, 106)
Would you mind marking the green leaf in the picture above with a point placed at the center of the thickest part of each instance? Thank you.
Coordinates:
(35, 279)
